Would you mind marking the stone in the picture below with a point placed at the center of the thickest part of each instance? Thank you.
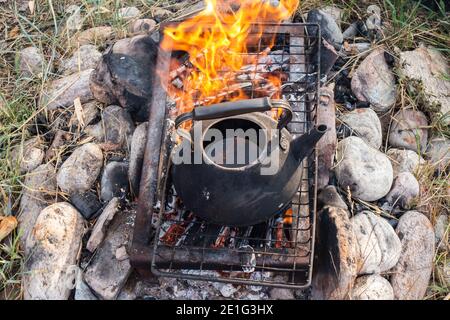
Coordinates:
(29, 155)
(372, 287)
(425, 67)
(137, 151)
(114, 182)
(74, 22)
(96, 131)
(409, 130)
(31, 62)
(411, 276)
(95, 35)
(82, 290)
(334, 12)
(50, 266)
(281, 293)
(128, 13)
(404, 160)
(438, 152)
(79, 172)
(365, 170)
(374, 82)
(328, 27)
(89, 112)
(87, 204)
(99, 231)
(106, 275)
(62, 92)
(119, 126)
(142, 26)
(121, 253)
(336, 257)
(86, 57)
(39, 190)
(379, 245)
(404, 190)
(440, 228)
(160, 14)
(364, 123)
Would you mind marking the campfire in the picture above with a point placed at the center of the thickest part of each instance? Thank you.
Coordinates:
(233, 51)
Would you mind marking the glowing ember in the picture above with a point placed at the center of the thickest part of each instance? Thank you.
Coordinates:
(218, 41)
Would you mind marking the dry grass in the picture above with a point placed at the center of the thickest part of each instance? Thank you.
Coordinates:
(408, 24)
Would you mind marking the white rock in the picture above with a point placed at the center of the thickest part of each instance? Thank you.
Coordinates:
(440, 228)
(410, 277)
(372, 287)
(74, 22)
(100, 227)
(128, 13)
(81, 169)
(379, 245)
(374, 82)
(50, 268)
(404, 190)
(409, 130)
(89, 111)
(29, 155)
(138, 143)
(438, 152)
(86, 57)
(426, 66)
(404, 160)
(365, 124)
(38, 191)
(62, 92)
(31, 61)
(365, 170)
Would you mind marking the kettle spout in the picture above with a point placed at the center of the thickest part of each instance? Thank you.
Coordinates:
(302, 146)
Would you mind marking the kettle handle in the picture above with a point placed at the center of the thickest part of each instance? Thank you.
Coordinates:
(234, 108)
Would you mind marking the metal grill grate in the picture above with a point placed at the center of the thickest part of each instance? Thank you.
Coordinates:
(184, 246)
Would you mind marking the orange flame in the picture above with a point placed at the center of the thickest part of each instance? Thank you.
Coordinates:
(218, 41)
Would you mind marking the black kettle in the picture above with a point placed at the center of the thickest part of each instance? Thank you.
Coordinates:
(237, 166)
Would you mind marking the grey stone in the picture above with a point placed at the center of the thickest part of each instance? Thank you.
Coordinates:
(137, 151)
(329, 28)
(426, 67)
(365, 170)
(87, 204)
(106, 275)
(379, 245)
(365, 124)
(86, 57)
(374, 82)
(410, 277)
(409, 130)
(114, 181)
(62, 92)
(438, 152)
(142, 26)
(118, 125)
(372, 287)
(50, 266)
(100, 227)
(31, 61)
(404, 160)
(79, 172)
(440, 228)
(337, 255)
(74, 21)
(29, 155)
(96, 131)
(404, 190)
(160, 14)
(128, 13)
(90, 112)
(82, 290)
(39, 189)
(334, 12)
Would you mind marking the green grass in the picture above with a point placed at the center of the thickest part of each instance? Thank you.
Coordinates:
(409, 24)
